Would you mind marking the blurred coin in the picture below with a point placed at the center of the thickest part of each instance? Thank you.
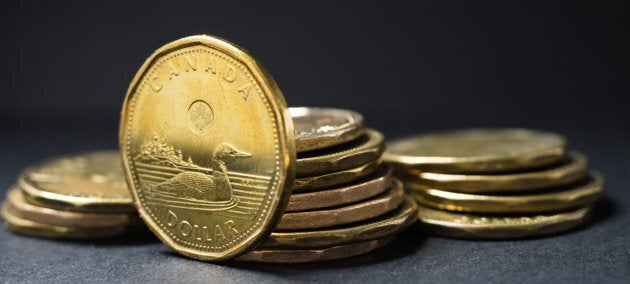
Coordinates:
(373, 185)
(386, 225)
(571, 170)
(334, 179)
(312, 255)
(317, 128)
(460, 225)
(24, 210)
(35, 229)
(476, 150)
(365, 149)
(364, 210)
(89, 182)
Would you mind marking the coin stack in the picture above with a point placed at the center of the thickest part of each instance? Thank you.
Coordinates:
(344, 202)
(496, 183)
(74, 197)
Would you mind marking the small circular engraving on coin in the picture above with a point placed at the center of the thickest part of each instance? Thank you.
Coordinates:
(200, 115)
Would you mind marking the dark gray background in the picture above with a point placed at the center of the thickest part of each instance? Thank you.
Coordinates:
(409, 67)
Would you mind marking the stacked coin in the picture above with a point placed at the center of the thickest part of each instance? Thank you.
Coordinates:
(344, 201)
(74, 197)
(496, 183)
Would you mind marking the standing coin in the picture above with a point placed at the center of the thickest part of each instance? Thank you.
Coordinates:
(207, 143)
(90, 182)
(360, 151)
(476, 151)
(471, 226)
(317, 128)
(569, 171)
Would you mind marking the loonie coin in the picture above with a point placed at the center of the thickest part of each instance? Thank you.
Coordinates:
(312, 255)
(35, 229)
(476, 151)
(567, 197)
(355, 153)
(24, 210)
(459, 225)
(377, 183)
(386, 225)
(208, 147)
(374, 207)
(570, 171)
(317, 128)
(90, 182)
(335, 179)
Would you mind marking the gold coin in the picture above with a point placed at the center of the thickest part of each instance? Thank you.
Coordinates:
(386, 225)
(553, 200)
(360, 151)
(35, 229)
(317, 128)
(90, 182)
(371, 186)
(476, 150)
(312, 255)
(459, 225)
(22, 209)
(334, 179)
(208, 147)
(569, 171)
(364, 210)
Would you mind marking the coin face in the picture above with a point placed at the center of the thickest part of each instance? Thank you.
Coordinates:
(207, 143)
(476, 150)
(317, 128)
(472, 226)
(91, 182)
(556, 199)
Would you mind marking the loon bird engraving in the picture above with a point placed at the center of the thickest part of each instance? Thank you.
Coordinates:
(215, 187)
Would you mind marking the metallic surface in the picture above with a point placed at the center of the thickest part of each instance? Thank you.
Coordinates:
(370, 208)
(362, 150)
(386, 225)
(558, 199)
(569, 171)
(207, 143)
(312, 255)
(317, 128)
(371, 186)
(35, 229)
(335, 179)
(88, 182)
(476, 150)
(22, 209)
(460, 225)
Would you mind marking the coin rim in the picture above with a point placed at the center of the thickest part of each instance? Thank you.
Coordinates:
(336, 160)
(572, 197)
(353, 130)
(285, 141)
(479, 164)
